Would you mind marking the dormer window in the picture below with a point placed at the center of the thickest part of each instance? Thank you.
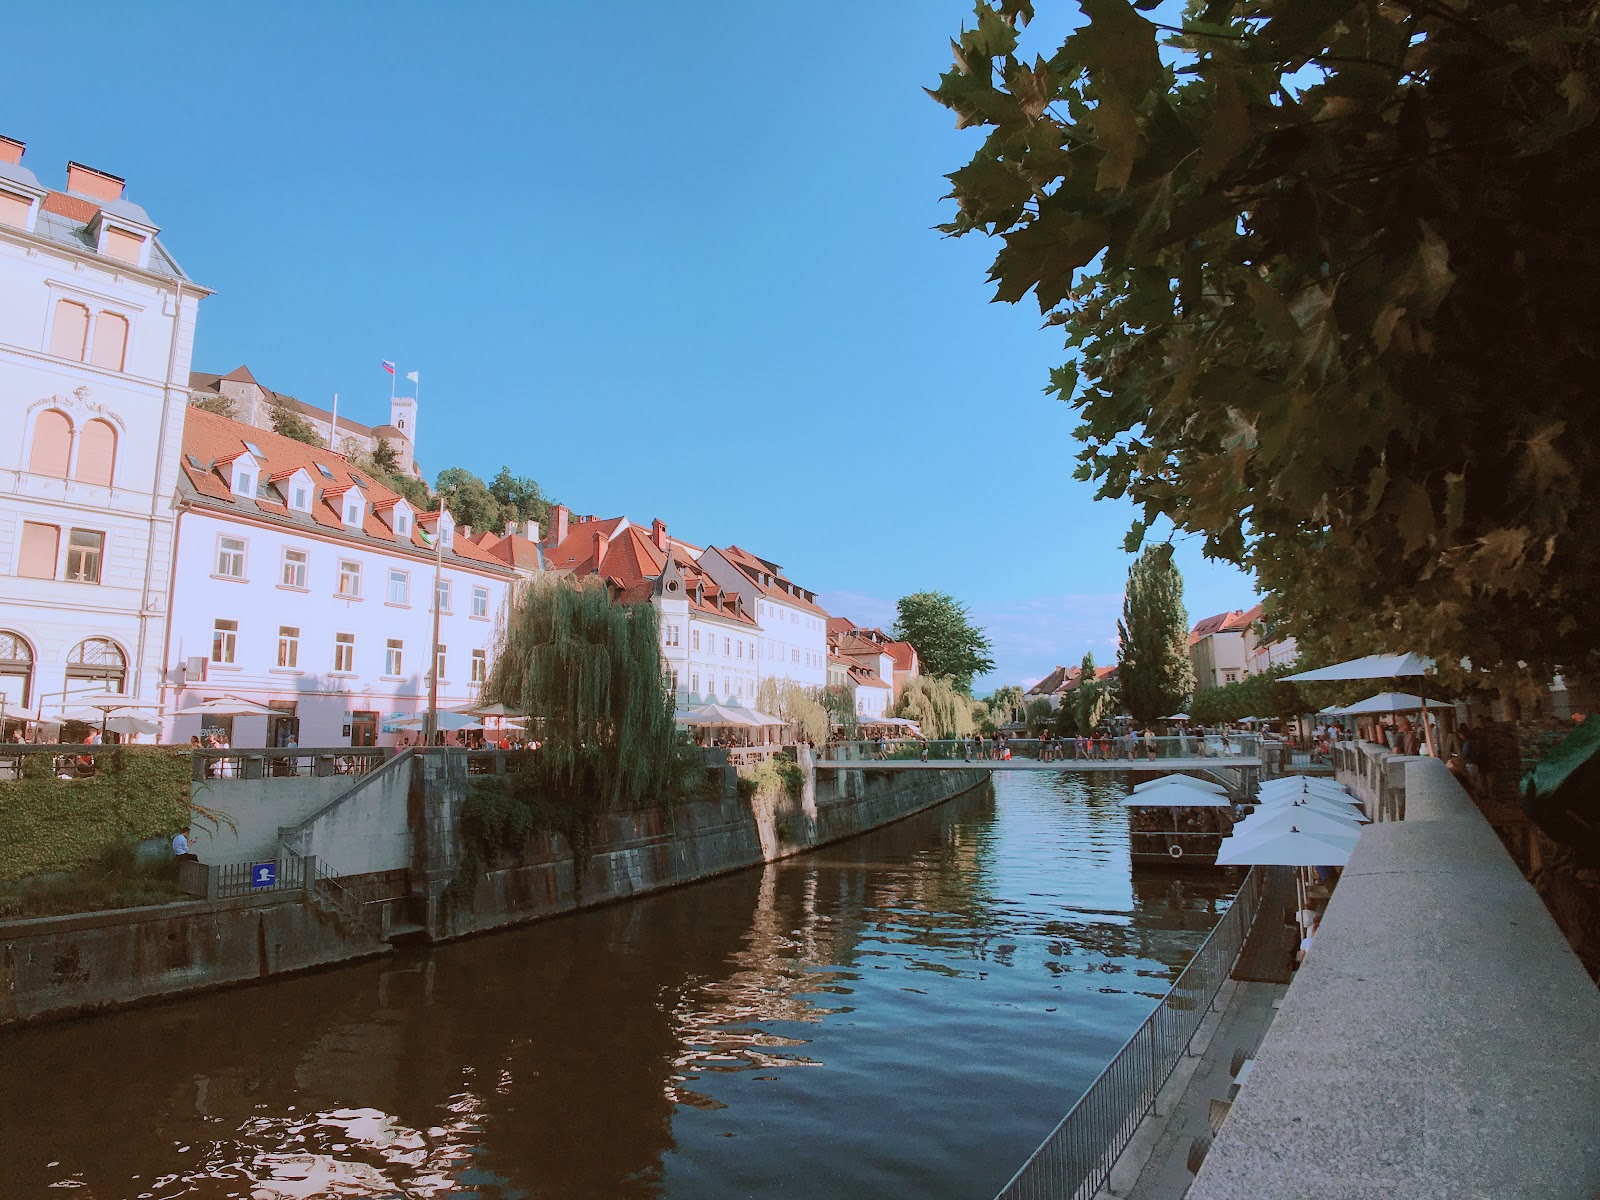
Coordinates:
(245, 473)
(447, 529)
(300, 496)
(352, 512)
(402, 520)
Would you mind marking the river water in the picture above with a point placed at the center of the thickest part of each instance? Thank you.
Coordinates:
(903, 1014)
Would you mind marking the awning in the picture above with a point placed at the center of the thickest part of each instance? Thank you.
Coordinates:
(1176, 795)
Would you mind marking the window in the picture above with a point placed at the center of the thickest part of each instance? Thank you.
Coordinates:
(85, 548)
(443, 595)
(52, 444)
(438, 661)
(739, 648)
(794, 654)
(230, 557)
(37, 558)
(394, 657)
(14, 210)
(70, 333)
(694, 637)
(244, 480)
(399, 589)
(300, 497)
(344, 652)
(694, 682)
(121, 244)
(349, 579)
(352, 512)
(726, 650)
(294, 569)
(97, 453)
(669, 635)
(480, 604)
(480, 667)
(288, 646)
(224, 639)
(110, 341)
(402, 523)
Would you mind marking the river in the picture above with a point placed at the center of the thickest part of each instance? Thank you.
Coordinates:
(903, 1014)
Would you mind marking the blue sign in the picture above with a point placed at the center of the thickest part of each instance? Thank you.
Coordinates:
(264, 875)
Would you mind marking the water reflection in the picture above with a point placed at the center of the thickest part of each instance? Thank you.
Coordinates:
(901, 1014)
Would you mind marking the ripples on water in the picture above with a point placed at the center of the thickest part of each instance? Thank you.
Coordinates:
(904, 1014)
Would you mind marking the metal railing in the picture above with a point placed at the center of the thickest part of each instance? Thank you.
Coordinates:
(292, 763)
(248, 878)
(1076, 1159)
(1064, 750)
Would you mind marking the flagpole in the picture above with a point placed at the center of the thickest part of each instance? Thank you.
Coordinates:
(333, 424)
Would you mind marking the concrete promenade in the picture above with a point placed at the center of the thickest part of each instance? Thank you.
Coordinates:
(1088, 766)
(1440, 1042)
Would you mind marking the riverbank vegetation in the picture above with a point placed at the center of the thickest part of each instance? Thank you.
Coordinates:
(1326, 275)
(113, 878)
(1154, 675)
(937, 706)
(801, 707)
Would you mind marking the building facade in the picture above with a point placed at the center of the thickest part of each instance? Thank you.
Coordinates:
(97, 324)
(1219, 649)
(794, 639)
(306, 587)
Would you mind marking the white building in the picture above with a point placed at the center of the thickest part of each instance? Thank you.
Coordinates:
(303, 585)
(710, 639)
(1219, 651)
(794, 639)
(97, 325)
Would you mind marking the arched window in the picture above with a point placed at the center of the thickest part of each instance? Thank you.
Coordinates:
(16, 669)
(97, 664)
(97, 453)
(52, 444)
(110, 341)
(70, 332)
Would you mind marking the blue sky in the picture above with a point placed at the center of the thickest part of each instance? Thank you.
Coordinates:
(670, 260)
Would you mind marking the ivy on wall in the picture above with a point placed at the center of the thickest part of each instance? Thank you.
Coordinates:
(50, 824)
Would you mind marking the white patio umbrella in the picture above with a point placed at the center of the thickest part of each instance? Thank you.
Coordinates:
(1325, 804)
(129, 725)
(1175, 795)
(1177, 717)
(1372, 666)
(226, 706)
(491, 710)
(1389, 702)
(449, 722)
(720, 714)
(1270, 822)
(1189, 781)
(1285, 787)
(1294, 848)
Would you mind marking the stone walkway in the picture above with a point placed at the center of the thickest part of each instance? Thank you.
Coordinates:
(1155, 1164)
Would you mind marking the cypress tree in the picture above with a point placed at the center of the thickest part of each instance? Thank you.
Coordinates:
(1154, 674)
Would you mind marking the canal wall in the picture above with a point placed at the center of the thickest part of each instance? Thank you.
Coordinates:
(1439, 1041)
(635, 853)
(66, 966)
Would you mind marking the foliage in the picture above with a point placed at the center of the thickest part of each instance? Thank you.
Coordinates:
(773, 777)
(589, 667)
(286, 420)
(840, 703)
(520, 497)
(222, 406)
(491, 506)
(384, 457)
(50, 824)
(1005, 706)
(797, 705)
(937, 706)
(1329, 271)
(1093, 699)
(1260, 695)
(1154, 674)
(946, 642)
(1040, 714)
(113, 878)
(384, 465)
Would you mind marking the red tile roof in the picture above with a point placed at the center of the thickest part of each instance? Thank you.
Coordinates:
(632, 562)
(757, 570)
(210, 440)
(72, 207)
(1234, 621)
(904, 655)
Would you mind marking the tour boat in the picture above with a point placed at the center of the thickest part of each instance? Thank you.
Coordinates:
(1178, 820)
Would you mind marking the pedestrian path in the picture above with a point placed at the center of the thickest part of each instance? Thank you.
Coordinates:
(1268, 953)
(1156, 1164)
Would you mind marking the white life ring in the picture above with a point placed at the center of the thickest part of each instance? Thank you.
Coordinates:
(1175, 851)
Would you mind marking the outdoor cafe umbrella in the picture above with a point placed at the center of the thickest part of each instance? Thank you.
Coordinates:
(1266, 821)
(1177, 717)
(1389, 702)
(491, 710)
(1296, 784)
(447, 722)
(226, 706)
(1188, 781)
(1175, 795)
(1372, 666)
(1292, 848)
(719, 714)
(130, 726)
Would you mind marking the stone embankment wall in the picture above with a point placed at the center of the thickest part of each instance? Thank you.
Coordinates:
(647, 851)
(63, 966)
(1439, 1041)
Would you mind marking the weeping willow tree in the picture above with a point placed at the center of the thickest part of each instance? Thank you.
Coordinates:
(840, 702)
(589, 668)
(797, 705)
(937, 705)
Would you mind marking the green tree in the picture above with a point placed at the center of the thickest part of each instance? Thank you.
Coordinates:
(286, 420)
(220, 405)
(796, 705)
(1327, 273)
(946, 641)
(384, 458)
(589, 668)
(937, 706)
(1154, 675)
(468, 499)
(1092, 700)
(840, 702)
(520, 497)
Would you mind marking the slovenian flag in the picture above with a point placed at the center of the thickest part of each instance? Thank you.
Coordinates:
(388, 366)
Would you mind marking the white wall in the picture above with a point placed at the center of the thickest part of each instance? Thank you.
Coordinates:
(143, 403)
(261, 605)
(794, 640)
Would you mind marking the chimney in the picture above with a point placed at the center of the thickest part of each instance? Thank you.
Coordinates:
(658, 533)
(100, 185)
(11, 149)
(559, 533)
(508, 529)
(599, 550)
(533, 531)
